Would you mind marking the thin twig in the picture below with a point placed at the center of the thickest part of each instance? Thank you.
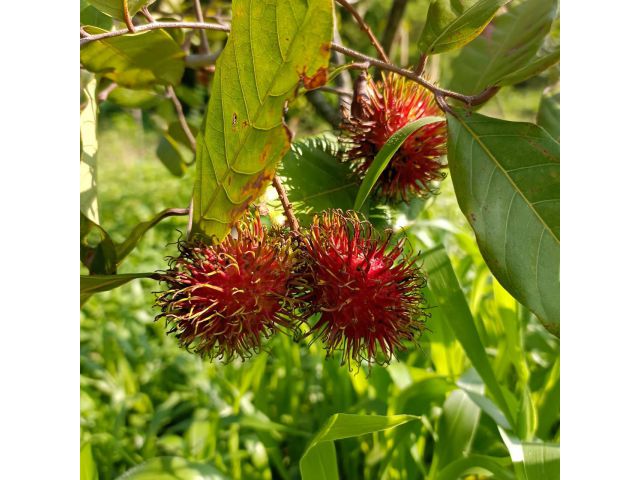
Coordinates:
(104, 94)
(288, 209)
(334, 90)
(155, 26)
(365, 28)
(421, 64)
(83, 34)
(127, 18)
(395, 15)
(181, 118)
(145, 12)
(197, 60)
(204, 41)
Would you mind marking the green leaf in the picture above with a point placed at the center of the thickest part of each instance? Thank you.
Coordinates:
(90, 15)
(506, 177)
(533, 460)
(272, 46)
(89, 155)
(505, 46)
(129, 98)
(549, 114)
(90, 284)
(97, 250)
(456, 429)
(449, 298)
(453, 24)
(135, 61)
(476, 464)
(123, 249)
(114, 9)
(171, 155)
(385, 155)
(88, 469)
(319, 460)
(172, 468)
(315, 179)
(536, 66)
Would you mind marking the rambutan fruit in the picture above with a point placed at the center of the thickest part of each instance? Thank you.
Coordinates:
(223, 300)
(367, 297)
(378, 111)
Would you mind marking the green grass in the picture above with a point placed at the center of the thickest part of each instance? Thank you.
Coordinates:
(143, 397)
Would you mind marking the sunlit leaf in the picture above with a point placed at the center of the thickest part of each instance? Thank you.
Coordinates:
(114, 8)
(89, 154)
(476, 464)
(172, 468)
(271, 48)
(451, 25)
(537, 65)
(533, 460)
(135, 61)
(90, 284)
(319, 460)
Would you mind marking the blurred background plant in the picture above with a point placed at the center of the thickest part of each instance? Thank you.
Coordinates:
(479, 398)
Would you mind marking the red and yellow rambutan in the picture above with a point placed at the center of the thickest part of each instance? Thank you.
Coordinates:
(223, 300)
(380, 110)
(365, 298)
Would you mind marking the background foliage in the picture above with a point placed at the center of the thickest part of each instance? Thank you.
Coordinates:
(481, 394)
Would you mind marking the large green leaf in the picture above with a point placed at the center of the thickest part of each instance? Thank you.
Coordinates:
(172, 468)
(453, 24)
(135, 61)
(549, 114)
(505, 46)
(456, 429)
(90, 284)
(316, 180)
(89, 15)
(97, 250)
(271, 48)
(506, 177)
(533, 460)
(386, 153)
(89, 154)
(476, 464)
(319, 460)
(449, 298)
(88, 470)
(114, 8)
(534, 67)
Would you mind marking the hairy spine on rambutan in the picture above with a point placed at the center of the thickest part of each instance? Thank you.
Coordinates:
(378, 111)
(365, 298)
(222, 300)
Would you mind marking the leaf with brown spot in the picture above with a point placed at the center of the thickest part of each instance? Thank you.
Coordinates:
(243, 138)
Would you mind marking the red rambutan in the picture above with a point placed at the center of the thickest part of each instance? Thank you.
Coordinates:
(368, 300)
(380, 110)
(222, 300)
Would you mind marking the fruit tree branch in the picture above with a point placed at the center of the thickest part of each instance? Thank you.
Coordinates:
(181, 118)
(286, 205)
(469, 100)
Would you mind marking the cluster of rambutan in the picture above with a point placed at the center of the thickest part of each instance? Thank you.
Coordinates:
(354, 292)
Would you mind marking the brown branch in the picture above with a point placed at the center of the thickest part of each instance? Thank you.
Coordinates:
(127, 18)
(395, 15)
(365, 28)
(288, 209)
(155, 26)
(104, 94)
(204, 41)
(469, 100)
(421, 64)
(181, 118)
